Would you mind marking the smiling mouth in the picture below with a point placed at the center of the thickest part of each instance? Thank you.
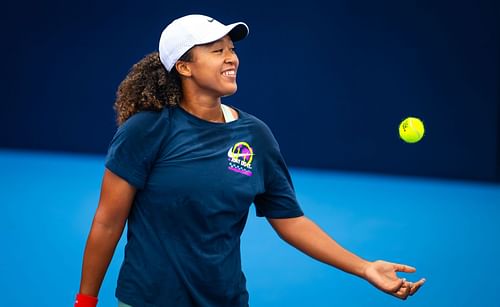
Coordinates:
(229, 73)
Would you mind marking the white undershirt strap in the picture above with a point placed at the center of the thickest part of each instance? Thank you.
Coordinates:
(228, 115)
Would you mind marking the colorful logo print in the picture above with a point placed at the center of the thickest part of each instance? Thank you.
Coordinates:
(240, 158)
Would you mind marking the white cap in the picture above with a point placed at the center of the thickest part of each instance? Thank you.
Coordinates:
(186, 32)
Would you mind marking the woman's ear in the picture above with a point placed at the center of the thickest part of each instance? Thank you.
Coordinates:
(183, 68)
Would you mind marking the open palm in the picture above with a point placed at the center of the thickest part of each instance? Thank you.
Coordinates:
(382, 275)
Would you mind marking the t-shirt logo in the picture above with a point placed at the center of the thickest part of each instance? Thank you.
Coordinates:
(240, 158)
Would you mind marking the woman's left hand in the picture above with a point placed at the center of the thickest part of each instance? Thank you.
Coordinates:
(382, 275)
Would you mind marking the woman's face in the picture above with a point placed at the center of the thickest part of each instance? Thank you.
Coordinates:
(214, 67)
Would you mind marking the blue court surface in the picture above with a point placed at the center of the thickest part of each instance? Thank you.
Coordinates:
(449, 230)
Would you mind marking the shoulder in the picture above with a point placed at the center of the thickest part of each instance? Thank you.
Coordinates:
(144, 118)
(259, 127)
(260, 130)
(145, 122)
(255, 122)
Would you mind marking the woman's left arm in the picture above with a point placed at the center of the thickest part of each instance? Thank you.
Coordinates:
(305, 235)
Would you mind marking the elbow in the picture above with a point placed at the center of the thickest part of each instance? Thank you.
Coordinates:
(287, 228)
(109, 223)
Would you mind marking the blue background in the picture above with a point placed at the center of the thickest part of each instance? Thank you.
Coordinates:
(447, 229)
(332, 79)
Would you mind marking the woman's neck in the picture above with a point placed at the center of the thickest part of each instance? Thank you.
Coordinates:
(206, 109)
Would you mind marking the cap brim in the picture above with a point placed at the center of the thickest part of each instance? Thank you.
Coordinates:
(238, 32)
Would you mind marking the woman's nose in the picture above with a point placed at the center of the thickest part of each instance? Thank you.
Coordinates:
(231, 57)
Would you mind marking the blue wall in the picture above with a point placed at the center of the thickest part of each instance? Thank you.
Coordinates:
(332, 79)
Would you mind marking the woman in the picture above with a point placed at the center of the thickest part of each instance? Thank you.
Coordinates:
(183, 170)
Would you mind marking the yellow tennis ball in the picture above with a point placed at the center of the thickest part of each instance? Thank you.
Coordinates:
(411, 130)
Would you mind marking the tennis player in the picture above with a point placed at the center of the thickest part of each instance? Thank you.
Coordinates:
(183, 169)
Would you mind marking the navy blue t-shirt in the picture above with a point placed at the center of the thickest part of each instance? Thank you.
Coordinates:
(195, 183)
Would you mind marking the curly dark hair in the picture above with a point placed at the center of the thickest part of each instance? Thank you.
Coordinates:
(148, 86)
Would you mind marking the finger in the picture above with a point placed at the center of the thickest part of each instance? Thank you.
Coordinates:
(417, 286)
(397, 285)
(402, 291)
(403, 297)
(400, 294)
(404, 268)
(407, 287)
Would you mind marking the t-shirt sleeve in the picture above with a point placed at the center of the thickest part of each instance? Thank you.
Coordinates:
(278, 199)
(134, 147)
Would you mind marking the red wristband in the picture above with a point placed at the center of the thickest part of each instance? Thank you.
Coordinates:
(83, 300)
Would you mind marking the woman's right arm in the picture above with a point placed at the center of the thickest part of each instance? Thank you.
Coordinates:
(116, 199)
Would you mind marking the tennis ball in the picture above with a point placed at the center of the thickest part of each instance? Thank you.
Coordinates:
(411, 130)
